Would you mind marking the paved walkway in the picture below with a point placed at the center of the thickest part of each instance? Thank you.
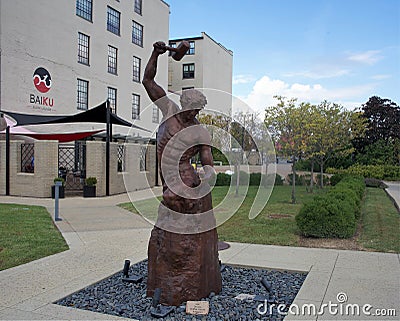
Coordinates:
(394, 192)
(101, 236)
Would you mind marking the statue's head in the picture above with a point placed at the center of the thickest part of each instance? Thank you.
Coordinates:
(192, 99)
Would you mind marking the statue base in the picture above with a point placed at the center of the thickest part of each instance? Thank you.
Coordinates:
(184, 266)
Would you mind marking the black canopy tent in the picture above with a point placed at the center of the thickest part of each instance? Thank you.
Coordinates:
(98, 114)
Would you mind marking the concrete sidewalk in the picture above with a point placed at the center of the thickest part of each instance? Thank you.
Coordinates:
(101, 236)
(393, 190)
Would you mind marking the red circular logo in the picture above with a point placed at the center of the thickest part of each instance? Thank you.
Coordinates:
(42, 80)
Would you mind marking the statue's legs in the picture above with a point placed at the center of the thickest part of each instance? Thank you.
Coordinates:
(184, 266)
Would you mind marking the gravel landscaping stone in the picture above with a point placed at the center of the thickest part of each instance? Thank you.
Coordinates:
(114, 297)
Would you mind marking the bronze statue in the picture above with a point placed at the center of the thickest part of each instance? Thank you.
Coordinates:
(182, 252)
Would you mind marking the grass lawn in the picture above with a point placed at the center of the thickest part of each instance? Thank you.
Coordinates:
(27, 233)
(380, 222)
(276, 225)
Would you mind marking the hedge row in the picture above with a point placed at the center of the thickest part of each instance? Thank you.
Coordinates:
(385, 172)
(335, 213)
(305, 180)
(253, 179)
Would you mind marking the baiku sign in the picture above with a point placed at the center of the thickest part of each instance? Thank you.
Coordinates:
(42, 82)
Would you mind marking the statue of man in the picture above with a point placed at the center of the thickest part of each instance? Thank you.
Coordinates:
(182, 252)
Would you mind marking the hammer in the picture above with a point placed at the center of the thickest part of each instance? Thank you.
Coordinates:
(179, 51)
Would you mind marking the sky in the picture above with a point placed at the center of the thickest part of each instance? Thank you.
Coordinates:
(343, 51)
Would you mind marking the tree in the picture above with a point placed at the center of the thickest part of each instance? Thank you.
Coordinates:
(218, 126)
(289, 125)
(244, 130)
(333, 131)
(381, 142)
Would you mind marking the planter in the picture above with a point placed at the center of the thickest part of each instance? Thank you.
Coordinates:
(89, 191)
(61, 192)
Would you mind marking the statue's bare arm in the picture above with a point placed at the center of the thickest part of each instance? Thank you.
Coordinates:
(154, 90)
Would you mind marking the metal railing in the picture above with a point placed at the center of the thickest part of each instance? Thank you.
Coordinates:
(28, 158)
(121, 158)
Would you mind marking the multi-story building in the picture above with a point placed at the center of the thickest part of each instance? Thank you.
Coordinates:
(207, 65)
(62, 57)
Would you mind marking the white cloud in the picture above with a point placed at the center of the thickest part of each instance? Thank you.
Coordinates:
(369, 57)
(321, 74)
(266, 88)
(380, 77)
(243, 79)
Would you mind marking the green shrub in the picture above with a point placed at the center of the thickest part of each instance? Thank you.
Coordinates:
(300, 179)
(349, 196)
(385, 172)
(255, 179)
(278, 179)
(331, 170)
(327, 180)
(326, 217)
(335, 213)
(91, 181)
(305, 165)
(59, 179)
(244, 178)
(223, 179)
(391, 173)
(336, 178)
(355, 183)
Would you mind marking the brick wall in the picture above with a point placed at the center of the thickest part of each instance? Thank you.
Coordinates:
(96, 164)
(37, 184)
(134, 179)
(131, 179)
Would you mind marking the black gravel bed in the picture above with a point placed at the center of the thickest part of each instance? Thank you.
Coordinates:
(114, 297)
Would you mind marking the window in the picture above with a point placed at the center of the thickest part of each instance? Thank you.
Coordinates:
(112, 60)
(138, 6)
(136, 69)
(112, 97)
(191, 48)
(188, 71)
(28, 158)
(82, 99)
(156, 114)
(84, 9)
(113, 17)
(142, 164)
(137, 34)
(135, 106)
(121, 159)
(83, 48)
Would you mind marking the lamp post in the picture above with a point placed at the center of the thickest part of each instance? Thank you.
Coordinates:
(8, 160)
(238, 153)
(108, 131)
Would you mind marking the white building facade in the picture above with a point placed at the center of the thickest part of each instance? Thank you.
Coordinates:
(206, 65)
(62, 57)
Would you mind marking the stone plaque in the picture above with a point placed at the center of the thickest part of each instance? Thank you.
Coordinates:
(197, 307)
